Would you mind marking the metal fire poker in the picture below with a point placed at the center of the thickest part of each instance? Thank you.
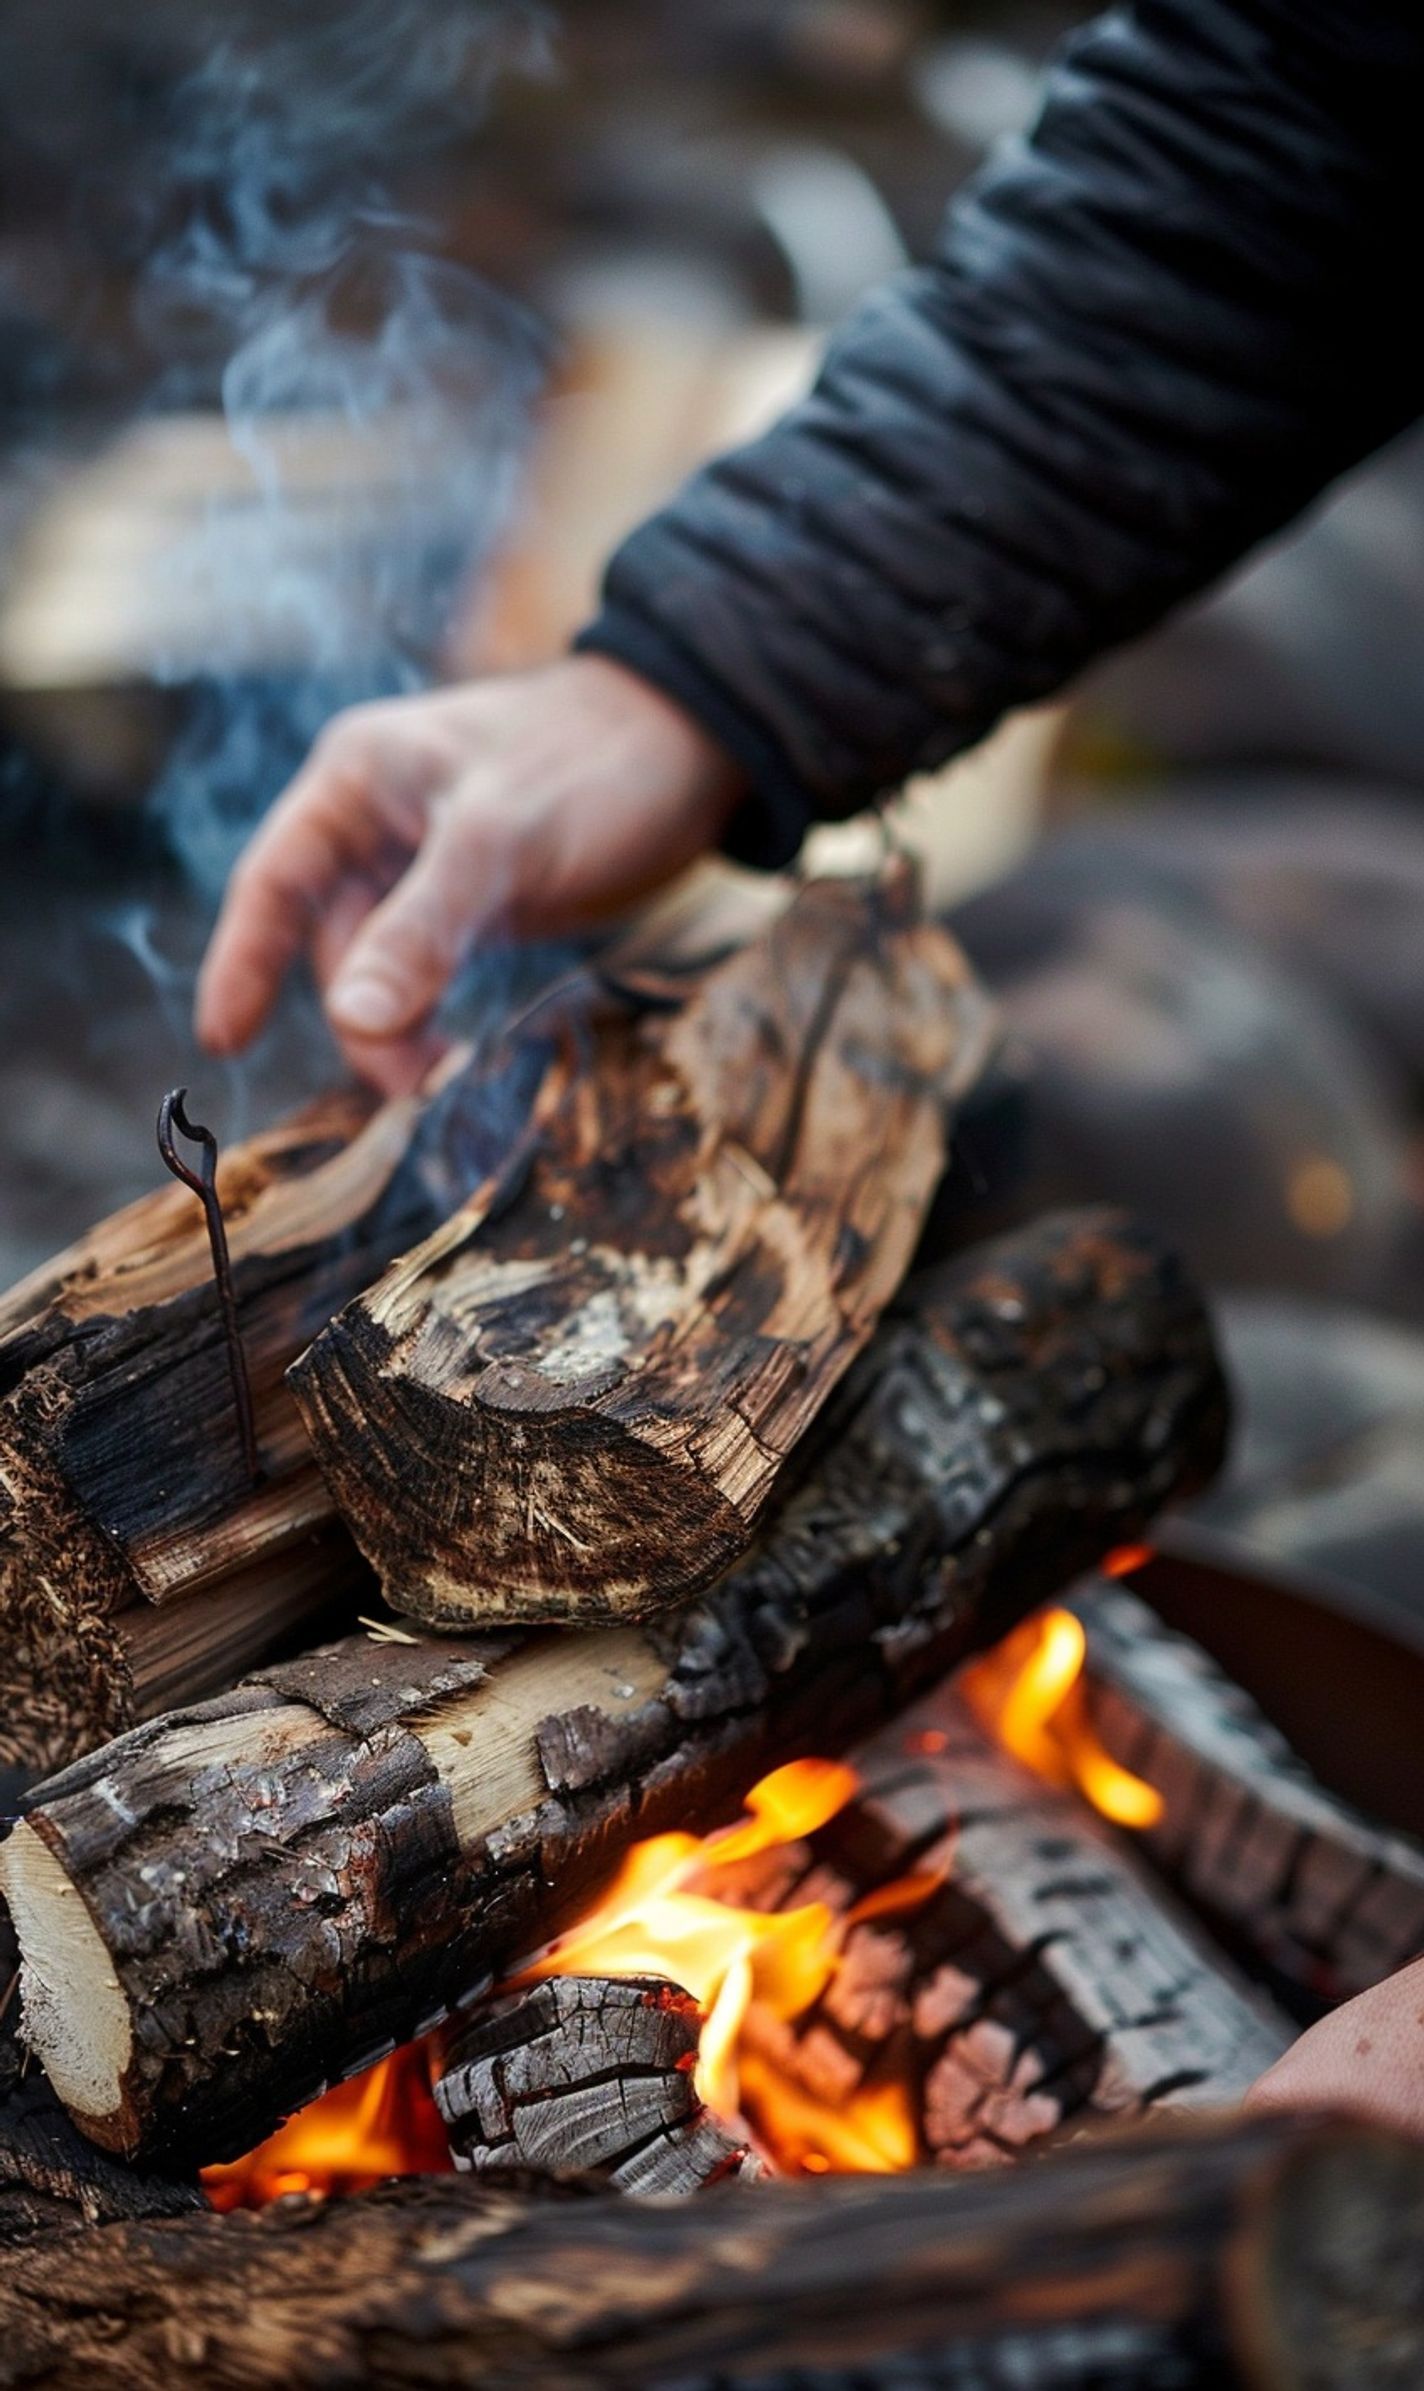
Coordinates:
(203, 1182)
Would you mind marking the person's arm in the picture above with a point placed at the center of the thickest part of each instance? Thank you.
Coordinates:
(1151, 333)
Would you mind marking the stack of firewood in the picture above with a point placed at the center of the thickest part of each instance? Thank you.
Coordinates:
(604, 1400)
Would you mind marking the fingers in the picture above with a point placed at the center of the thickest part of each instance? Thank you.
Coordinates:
(392, 1065)
(402, 960)
(362, 791)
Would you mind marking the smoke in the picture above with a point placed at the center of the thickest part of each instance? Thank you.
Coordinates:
(375, 395)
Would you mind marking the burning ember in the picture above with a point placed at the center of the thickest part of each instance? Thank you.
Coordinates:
(664, 1915)
(672, 1911)
(1029, 1692)
(382, 2123)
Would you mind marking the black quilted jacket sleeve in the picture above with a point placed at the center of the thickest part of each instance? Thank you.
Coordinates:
(1149, 335)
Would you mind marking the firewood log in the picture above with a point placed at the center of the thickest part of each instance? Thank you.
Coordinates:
(590, 2076)
(1327, 1900)
(1265, 2255)
(233, 1905)
(121, 1478)
(576, 1405)
(52, 2179)
(1050, 1977)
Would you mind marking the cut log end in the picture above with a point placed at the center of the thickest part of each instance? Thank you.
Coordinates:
(588, 2076)
(77, 2021)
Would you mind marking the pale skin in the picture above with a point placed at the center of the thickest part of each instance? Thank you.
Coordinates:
(530, 805)
(535, 805)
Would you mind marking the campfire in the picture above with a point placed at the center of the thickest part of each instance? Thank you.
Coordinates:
(751, 1751)
(672, 1915)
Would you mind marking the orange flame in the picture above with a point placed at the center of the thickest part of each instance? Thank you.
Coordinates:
(662, 1916)
(1029, 1692)
(667, 1914)
(382, 2123)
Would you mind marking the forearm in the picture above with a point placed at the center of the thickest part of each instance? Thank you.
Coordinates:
(1149, 337)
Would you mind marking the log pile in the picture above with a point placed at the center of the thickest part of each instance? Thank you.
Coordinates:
(1264, 2255)
(650, 1381)
(380, 1830)
(626, 1142)
(1319, 1895)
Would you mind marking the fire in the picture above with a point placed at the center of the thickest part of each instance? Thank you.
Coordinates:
(672, 1911)
(663, 1916)
(382, 2123)
(1029, 1692)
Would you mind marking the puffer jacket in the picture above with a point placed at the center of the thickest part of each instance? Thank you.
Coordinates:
(1151, 332)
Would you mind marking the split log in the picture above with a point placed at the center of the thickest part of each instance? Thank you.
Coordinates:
(1317, 1893)
(231, 1906)
(121, 1477)
(577, 1404)
(1049, 1978)
(590, 2076)
(1263, 2255)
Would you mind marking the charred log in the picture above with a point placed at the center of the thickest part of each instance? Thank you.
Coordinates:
(122, 1488)
(576, 1405)
(233, 1905)
(1261, 2255)
(1325, 1899)
(587, 2076)
(1049, 1978)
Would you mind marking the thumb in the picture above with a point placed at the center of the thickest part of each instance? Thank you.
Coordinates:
(404, 957)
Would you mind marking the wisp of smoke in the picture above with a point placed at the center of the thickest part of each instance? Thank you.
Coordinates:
(375, 394)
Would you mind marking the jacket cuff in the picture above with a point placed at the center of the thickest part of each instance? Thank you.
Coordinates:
(769, 825)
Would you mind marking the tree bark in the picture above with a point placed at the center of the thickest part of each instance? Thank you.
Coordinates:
(576, 1405)
(588, 2076)
(1265, 2256)
(1049, 1978)
(1317, 1893)
(233, 1905)
(51, 2178)
(121, 1478)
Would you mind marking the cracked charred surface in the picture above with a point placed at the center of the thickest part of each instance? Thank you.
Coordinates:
(1324, 1898)
(1048, 1979)
(1240, 2256)
(286, 1879)
(574, 1402)
(588, 2076)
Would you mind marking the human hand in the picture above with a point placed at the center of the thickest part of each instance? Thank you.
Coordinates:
(535, 804)
(1367, 2057)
